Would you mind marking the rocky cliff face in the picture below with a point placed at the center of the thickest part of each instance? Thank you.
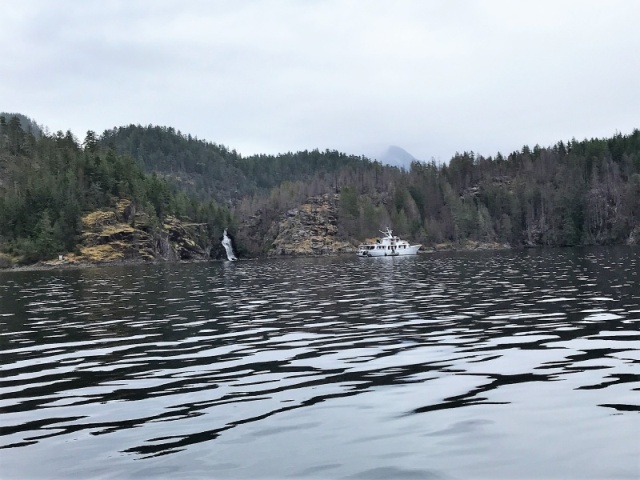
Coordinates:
(310, 229)
(125, 234)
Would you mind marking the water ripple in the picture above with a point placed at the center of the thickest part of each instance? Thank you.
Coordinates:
(156, 360)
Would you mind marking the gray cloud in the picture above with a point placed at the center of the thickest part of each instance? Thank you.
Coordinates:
(433, 77)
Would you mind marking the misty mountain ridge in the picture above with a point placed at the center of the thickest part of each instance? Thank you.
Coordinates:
(396, 157)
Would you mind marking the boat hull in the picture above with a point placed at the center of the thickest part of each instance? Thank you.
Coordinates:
(364, 251)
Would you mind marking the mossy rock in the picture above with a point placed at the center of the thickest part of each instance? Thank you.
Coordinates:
(99, 219)
(102, 253)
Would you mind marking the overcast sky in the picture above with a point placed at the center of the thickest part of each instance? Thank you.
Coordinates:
(433, 77)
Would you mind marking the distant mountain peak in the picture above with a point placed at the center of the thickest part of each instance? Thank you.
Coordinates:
(396, 157)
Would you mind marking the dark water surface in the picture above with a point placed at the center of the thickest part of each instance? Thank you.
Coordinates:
(446, 365)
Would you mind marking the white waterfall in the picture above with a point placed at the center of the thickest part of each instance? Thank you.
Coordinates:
(228, 246)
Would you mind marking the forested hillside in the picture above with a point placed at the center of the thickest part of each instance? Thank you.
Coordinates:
(48, 182)
(213, 171)
(578, 192)
(572, 193)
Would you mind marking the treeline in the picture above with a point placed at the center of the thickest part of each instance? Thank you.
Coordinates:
(47, 182)
(209, 170)
(259, 188)
(580, 193)
(574, 193)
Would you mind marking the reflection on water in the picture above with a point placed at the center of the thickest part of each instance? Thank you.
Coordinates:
(468, 365)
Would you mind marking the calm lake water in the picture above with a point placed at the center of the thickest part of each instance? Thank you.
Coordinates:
(446, 365)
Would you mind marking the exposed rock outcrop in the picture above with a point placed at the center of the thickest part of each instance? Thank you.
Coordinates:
(124, 234)
(183, 238)
(310, 229)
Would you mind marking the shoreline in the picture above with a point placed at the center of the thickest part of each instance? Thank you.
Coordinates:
(77, 265)
(70, 265)
(49, 265)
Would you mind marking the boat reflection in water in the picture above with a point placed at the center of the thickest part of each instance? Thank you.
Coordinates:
(387, 246)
